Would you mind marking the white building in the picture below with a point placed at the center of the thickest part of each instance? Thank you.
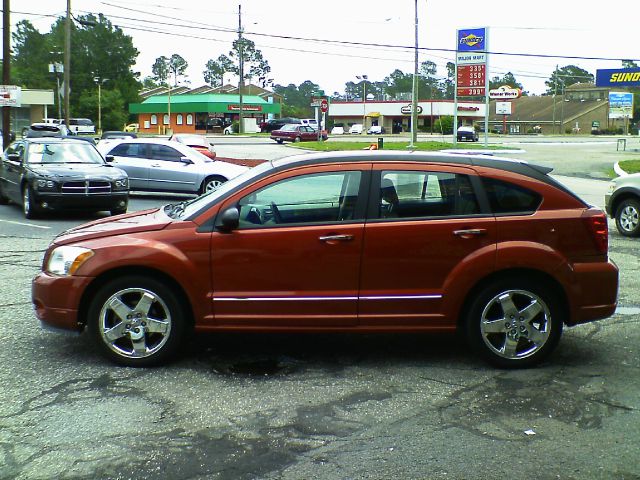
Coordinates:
(395, 116)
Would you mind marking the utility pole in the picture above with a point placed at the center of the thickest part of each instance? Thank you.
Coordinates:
(6, 69)
(241, 69)
(67, 63)
(414, 88)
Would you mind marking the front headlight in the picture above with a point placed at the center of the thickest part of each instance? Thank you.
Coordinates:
(67, 260)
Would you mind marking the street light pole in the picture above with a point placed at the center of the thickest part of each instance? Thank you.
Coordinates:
(99, 81)
(364, 79)
(67, 63)
(414, 87)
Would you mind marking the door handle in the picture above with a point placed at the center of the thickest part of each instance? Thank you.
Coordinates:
(336, 238)
(469, 232)
(156, 165)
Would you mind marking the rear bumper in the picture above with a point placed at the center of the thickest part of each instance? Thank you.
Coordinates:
(597, 289)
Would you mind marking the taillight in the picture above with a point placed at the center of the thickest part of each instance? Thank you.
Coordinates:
(596, 222)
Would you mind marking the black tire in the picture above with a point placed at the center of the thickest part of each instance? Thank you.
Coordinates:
(628, 217)
(211, 183)
(3, 198)
(149, 327)
(118, 211)
(29, 207)
(279, 140)
(514, 323)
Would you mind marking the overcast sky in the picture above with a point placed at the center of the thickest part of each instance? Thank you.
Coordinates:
(555, 32)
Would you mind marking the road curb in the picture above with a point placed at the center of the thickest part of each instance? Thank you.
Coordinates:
(619, 171)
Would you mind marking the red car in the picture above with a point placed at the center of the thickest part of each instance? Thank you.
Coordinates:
(344, 242)
(292, 132)
(197, 142)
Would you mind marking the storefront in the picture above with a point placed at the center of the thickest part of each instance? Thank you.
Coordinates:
(395, 116)
(199, 113)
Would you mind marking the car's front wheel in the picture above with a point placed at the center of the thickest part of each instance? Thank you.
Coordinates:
(136, 321)
(211, 183)
(29, 206)
(514, 323)
(628, 217)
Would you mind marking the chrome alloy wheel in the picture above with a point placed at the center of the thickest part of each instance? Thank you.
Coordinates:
(212, 184)
(134, 323)
(628, 217)
(515, 324)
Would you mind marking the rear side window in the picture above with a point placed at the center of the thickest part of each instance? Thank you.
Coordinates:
(505, 197)
(415, 194)
(129, 150)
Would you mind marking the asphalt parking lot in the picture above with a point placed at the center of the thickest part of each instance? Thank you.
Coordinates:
(331, 406)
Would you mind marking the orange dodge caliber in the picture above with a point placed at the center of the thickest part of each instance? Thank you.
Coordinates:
(342, 242)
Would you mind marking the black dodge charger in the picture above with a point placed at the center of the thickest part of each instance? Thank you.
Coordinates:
(61, 173)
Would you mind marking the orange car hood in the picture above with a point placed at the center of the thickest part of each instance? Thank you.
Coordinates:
(146, 220)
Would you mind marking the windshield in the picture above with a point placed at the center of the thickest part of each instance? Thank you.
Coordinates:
(47, 153)
(289, 127)
(187, 209)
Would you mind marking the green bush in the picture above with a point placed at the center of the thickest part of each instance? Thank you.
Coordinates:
(443, 125)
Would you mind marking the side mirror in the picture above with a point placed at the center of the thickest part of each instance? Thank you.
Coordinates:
(14, 157)
(109, 158)
(228, 220)
(186, 160)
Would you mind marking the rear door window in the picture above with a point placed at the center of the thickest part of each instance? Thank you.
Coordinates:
(508, 198)
(415, 194)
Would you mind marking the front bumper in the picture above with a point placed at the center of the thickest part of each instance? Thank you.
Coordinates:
(70, 201)
(56, 300)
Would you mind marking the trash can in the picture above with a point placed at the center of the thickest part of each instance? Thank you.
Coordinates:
(380, 143)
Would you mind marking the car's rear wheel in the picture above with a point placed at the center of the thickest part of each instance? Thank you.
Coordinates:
(3, 198)
(211, 183)
(628, 217)
(136, 321)
(514, 323)
(297, 140)
(29, 206)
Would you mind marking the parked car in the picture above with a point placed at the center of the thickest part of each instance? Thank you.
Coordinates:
(228, 130)
(467, 133)
(197, 142)
(166, 166)
(342, 242)
(60, 173)
(52, 130)
(132, 127)
(296, 133)
(622, 202)
(117, 134)
(337, 130)
(81, 126)
(376, 130)
(356, 129)
(277, 123)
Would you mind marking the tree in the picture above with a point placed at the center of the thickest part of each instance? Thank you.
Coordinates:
(254, 64)
(215, 70)
(31, 57)
(160, 70)
(297, 99)
(507, 79)
(566, 76)
(164, 67)
(98, 50)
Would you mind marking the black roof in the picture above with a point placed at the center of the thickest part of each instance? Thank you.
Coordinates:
(481, 160)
